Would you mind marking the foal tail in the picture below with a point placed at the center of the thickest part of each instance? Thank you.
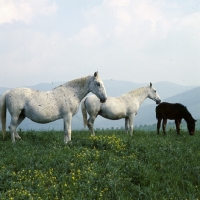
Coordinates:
(3, 113)
(84, 112)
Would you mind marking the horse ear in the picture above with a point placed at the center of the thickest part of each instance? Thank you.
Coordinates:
(95, 74)
(150, 84)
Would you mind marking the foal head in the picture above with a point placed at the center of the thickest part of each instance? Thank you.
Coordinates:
(153, 94)
(97, 87)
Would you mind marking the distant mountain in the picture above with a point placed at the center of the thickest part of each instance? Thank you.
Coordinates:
(165, 89)
(170, 92)
(40, 86)
(45, 86)
(3, 89)
(116, 88)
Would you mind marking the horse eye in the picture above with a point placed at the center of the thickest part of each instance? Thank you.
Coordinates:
(154, 90)
(98, 84)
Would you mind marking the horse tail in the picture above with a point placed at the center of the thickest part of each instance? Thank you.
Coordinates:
(3, 113)
(84, 112)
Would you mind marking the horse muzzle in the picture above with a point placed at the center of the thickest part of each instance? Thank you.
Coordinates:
(158, 101)
(103, 100)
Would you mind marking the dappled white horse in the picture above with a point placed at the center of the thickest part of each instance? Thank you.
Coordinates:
(125, 106)
(44, 107)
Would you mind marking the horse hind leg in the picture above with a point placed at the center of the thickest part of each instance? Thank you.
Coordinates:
(178, 122)
(15, 121)
(164, 126)
(13, 127)
(20, 119)
(90, 124)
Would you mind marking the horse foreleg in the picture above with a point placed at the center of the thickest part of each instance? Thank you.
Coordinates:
(158, 125)
(90, 124)
(67, 128)
(126, 125)
(164, 125)
(178, 122)
(131, 121)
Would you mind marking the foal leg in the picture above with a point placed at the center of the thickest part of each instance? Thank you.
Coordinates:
(178, 122)
(67, 128)
(90, 124)
(158, 125)
(164, 125)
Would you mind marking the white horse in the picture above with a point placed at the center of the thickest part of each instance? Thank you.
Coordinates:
(44, 107)
(125, 106)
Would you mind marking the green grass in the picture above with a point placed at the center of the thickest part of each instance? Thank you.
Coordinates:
(170, 125)
(110, 165)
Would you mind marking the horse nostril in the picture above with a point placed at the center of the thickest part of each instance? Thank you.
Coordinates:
(103, 100)
(158, 101)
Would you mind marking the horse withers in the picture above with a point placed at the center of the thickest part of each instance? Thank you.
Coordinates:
(177, 112)
(44, 107)
(125, 106)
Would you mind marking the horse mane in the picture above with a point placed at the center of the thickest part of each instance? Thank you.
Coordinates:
(79, 82)
(184, 108)
(137, 91)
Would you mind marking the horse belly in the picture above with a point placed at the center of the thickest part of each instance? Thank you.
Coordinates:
(112, 113)
(42, 114)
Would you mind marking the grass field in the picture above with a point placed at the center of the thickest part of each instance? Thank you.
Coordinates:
(110, 165)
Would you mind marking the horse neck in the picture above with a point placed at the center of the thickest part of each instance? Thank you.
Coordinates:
(80, 87)
(187, 117)
(139, 94)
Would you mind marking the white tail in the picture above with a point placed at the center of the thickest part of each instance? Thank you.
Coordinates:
(84, 113)
(3, 113)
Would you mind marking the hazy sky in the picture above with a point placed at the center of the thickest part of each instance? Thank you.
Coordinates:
(133, 40)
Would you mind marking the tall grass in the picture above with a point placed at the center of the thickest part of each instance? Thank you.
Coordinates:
(110, 165)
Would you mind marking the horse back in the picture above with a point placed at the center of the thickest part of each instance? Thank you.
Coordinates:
(169, 111)
(17, 97)
(26, 98)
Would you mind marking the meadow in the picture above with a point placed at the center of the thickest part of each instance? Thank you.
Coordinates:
(110, 165)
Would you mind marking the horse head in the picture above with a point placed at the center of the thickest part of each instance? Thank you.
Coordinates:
(153, 94)
(97, 87)
(191, 126)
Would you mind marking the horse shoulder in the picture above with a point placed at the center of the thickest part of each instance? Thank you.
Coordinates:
(131, 104)
(67, 100)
